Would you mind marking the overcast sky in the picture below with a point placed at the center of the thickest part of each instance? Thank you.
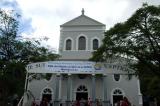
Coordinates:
(43, 17)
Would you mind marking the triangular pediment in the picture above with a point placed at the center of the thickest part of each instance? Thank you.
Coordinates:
(82, 20)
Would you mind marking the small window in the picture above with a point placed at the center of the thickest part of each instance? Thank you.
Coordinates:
(68, 44)
(117, 92)
(116, 77)
(81, 88)
(82, 43)
(95, 44)
(47, 91)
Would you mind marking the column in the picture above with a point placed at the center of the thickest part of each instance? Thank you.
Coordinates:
(139, 93)
(60, 87)
(93, 90)
(56, 102)
(104, 90)
(69, 90)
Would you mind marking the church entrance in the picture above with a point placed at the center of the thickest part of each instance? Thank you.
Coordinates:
(82, 93)
(48, 97)
(47, 94)
(117, 96)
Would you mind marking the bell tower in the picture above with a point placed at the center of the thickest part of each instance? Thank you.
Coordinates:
(79, 37)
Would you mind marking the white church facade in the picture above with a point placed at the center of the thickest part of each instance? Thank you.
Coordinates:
(75, 77)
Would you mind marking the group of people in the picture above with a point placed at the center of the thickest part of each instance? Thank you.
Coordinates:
(44, 102)
(123, 102)
(84, 102)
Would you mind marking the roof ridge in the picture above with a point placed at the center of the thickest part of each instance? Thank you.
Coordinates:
(82, 15)
(94, 20)
(71, 20)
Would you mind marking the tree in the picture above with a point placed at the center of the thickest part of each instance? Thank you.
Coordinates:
(15, 53)
(136, 39)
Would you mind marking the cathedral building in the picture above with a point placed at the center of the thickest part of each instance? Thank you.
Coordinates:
(74, 77)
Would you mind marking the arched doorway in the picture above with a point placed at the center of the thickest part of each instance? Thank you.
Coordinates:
(82, 92)
(117, 95)
(47, 94)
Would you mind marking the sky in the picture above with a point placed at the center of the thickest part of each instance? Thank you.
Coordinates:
(42, 18)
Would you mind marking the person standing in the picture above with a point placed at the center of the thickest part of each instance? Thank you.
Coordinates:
(89, 102)
(82, 102)
(44, 102)
(125, 102)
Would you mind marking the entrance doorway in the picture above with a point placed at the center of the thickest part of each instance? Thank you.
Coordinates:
(47, 94)
(80, 95)
(48, 97)
(82, 92)
(117, 96)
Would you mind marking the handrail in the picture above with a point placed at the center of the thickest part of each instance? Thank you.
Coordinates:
(31, 94)
(21, 101)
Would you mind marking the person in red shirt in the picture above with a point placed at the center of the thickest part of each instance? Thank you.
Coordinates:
(44, 102)
(125, 102)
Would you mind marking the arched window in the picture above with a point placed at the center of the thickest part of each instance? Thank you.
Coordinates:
(47, 91)
(95, 44)
(82, 43)
(117, 92)
(81, 88)
(68, 44)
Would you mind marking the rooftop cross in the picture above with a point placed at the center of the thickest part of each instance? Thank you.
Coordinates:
(82, 11)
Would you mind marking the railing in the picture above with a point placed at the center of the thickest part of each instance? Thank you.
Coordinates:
(28, 94)
(20, 103)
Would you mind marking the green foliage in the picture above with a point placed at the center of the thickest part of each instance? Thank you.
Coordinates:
(15, 54)
(150, 86)
(137, 39)
(48, 76)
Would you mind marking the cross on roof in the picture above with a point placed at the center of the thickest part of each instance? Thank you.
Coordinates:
(82, 11)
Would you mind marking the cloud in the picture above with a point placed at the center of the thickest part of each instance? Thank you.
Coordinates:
(8, 4)
(152, 2)
(25, 26)
(44, 17)
(24, 23)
